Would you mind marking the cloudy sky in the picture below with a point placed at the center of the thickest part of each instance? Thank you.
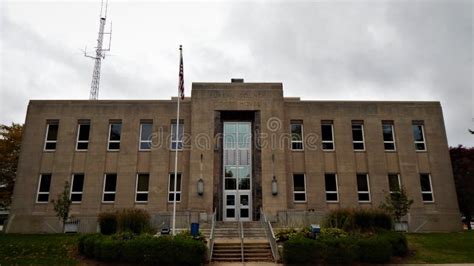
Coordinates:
(320, 50)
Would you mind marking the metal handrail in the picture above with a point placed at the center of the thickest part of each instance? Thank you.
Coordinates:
(211, 237)
(241, 233)
(270, 234)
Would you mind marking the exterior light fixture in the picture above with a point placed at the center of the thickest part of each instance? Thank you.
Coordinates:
(200, 184)
(200, 187)
(274, 186)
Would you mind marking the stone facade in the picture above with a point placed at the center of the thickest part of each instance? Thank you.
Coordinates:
(203, 115)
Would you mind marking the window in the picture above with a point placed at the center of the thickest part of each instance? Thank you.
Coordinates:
(299, 188)
(77, 187)
(331, 187)
(296, 136)
(177, 143)
(110, 185)
(388, 136)
(419, 136)
(327, 135)
(115, 130)
(358, 135)
(145, 136)
(171, 191)
(43, 188)
(363, 188)
(83, 129)
(426, 188)
(394, 183)
(141, 194)
(51, 135)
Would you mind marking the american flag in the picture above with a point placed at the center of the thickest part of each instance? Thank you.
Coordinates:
(181, 74)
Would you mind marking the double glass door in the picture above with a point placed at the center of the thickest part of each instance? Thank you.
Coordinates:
(237, 185)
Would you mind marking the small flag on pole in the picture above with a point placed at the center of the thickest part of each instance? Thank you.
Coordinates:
(181, 75)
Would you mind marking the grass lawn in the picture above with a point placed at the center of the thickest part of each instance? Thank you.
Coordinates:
(441, 247)
(51, 249)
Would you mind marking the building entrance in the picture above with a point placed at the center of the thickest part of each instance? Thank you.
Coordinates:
(237, 165)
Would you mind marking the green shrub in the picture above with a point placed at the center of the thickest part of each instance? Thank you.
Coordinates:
(398, 242)
(358, 220)
(333, 232)
(109, 249)
(301, 250)
(145, 249)
(134, 220)
(108, 222)
(340, 250)
(285, 233)
(375, 249)
(382, 220)
(339, 218)
(89, 244)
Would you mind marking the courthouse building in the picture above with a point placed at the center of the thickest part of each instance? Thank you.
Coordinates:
(243, 148)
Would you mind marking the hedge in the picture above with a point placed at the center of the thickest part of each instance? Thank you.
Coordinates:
(358, 219)
(143, 249)
(136, 221)
(333, 248)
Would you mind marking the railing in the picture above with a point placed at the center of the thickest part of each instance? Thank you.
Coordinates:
(270, 234)
(211, 236)
(241, 234)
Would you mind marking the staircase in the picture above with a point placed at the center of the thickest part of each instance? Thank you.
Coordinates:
(227, 244)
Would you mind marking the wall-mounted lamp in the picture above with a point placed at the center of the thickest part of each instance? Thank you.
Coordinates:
(200, 183)
(274, 186)
(200, 187)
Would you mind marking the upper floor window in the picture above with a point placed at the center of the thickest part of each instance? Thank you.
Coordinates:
(296, 135)
(327, 135)
(171, 191)
(83, 129)
(141, 193)
(419, 135)
(330, 181)
(44, 185)
(388, 136)
(51, 135)
(145, 136)
(115, 131)
(358, 136)
(363, 188)
(110, 186)
(299, 188)
(426, 188)
(394, 183)
(77, 185)
(177, 141)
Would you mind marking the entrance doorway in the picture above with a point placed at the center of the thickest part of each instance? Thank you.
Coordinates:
(237, 165)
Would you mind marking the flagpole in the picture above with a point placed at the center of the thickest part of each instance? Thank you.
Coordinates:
(175, 167)
(177, 144)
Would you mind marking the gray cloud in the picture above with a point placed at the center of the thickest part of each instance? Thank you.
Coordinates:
(341, 50)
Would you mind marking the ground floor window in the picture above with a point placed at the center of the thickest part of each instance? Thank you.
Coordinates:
(43, 188)
(77, 186)
(171, 191)
(426, 188)
(363, 188)
(110, 186)
(141, 193)
(331, 187)
(299, 188)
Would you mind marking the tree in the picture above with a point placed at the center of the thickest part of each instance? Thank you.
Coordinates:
(10, 141)
(462, 160)
(397, 204)
(63, 204)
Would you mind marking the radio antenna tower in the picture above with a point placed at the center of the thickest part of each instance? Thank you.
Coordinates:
(99, 52)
